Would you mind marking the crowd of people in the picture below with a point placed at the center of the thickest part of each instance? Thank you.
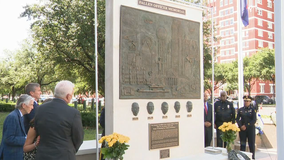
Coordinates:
(52, 130)
(225, 112)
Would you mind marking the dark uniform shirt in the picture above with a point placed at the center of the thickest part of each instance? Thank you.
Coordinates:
(246, 116)
(224, 112)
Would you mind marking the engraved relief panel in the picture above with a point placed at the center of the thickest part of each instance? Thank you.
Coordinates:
(159, 56)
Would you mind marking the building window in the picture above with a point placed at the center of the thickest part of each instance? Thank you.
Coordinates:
(215, 9)
(260, 44)
(221, 3)
(259, 12)
(231, 1)
(270, 45)
(259, 1)
(270, 35)
(260, 34)
(259, 22)
(225, 2)
(261, 88)
(232, 21)
(269, 25)
(269, 4)
(271, 88)
(227, 33)
(245, 34)
(232, 31)
(269, 15)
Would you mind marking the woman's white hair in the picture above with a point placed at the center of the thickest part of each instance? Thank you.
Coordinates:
(23, 99)
(63, 88)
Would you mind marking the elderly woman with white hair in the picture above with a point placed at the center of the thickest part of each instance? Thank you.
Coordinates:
(14, 135)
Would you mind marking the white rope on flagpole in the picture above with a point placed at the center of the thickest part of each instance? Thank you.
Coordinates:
(97, 94)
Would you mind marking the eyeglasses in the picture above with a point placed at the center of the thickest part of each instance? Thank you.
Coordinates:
(247, 101)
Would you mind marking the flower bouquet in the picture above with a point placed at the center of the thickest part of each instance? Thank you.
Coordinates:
(228, 135)
(115, 145)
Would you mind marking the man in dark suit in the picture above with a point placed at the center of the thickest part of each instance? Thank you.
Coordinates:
(14, 135)
(59, 126)
(207, 121)
(32, 89)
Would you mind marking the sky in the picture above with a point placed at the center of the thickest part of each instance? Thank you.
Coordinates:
(13, 30)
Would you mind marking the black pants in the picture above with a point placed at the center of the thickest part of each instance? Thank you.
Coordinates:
(207, 136)
(249, 134)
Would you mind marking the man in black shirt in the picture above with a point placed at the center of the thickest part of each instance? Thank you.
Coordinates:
(224, 112)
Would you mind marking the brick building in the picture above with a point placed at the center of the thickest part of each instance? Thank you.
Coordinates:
(258, 34)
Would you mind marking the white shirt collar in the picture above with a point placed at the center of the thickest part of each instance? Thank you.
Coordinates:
(20, 113)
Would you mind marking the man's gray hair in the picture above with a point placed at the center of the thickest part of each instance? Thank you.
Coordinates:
(23, 99)
(31, 87)
(63, 88)
(222, 92)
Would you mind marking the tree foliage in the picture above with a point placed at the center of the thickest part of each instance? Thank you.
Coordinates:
(63, 30)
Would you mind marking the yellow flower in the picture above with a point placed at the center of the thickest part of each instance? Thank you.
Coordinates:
(110, 144)
(108, 139)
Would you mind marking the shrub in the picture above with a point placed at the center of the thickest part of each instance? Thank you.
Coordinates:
(7, 107)
(88, 119)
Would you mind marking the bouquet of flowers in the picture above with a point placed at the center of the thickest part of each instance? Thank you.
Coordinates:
(228, 135)
(115, 145)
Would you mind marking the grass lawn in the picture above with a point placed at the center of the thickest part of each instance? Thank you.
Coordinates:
(90, 133)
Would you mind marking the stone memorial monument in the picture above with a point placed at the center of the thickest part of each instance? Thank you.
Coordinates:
(153, 77)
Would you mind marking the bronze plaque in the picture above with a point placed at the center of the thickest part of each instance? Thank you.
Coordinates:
(159, 56)
(162, 135)
(164, 153)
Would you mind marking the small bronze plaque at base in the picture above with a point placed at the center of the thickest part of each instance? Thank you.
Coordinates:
(150, 118)
(165, 117)
(189, 115)
(164, 153)
(163, 135)
(135, 118)
(177, 116)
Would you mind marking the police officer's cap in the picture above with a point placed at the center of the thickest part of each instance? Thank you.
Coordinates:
(247, 98)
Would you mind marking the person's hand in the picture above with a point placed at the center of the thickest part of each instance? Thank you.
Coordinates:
(207, 124)
(37, 141)
(215, 126)
(243, 127)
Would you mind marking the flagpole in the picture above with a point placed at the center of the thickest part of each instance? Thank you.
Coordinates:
(212, 98)
(240, 57)
(279, 61)
(97, 94)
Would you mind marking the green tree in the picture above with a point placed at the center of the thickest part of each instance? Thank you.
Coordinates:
(63, 30)
(260, 66)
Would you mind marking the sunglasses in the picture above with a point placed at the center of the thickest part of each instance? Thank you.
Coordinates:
(247, 101)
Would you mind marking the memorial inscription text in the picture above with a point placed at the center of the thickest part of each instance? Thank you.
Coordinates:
(162, 135)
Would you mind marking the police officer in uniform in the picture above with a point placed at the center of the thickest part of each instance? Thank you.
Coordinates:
(224, 112)
(246, 119)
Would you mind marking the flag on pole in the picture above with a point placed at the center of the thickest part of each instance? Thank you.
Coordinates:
(244, 12)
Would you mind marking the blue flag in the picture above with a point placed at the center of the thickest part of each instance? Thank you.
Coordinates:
(244, 12)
